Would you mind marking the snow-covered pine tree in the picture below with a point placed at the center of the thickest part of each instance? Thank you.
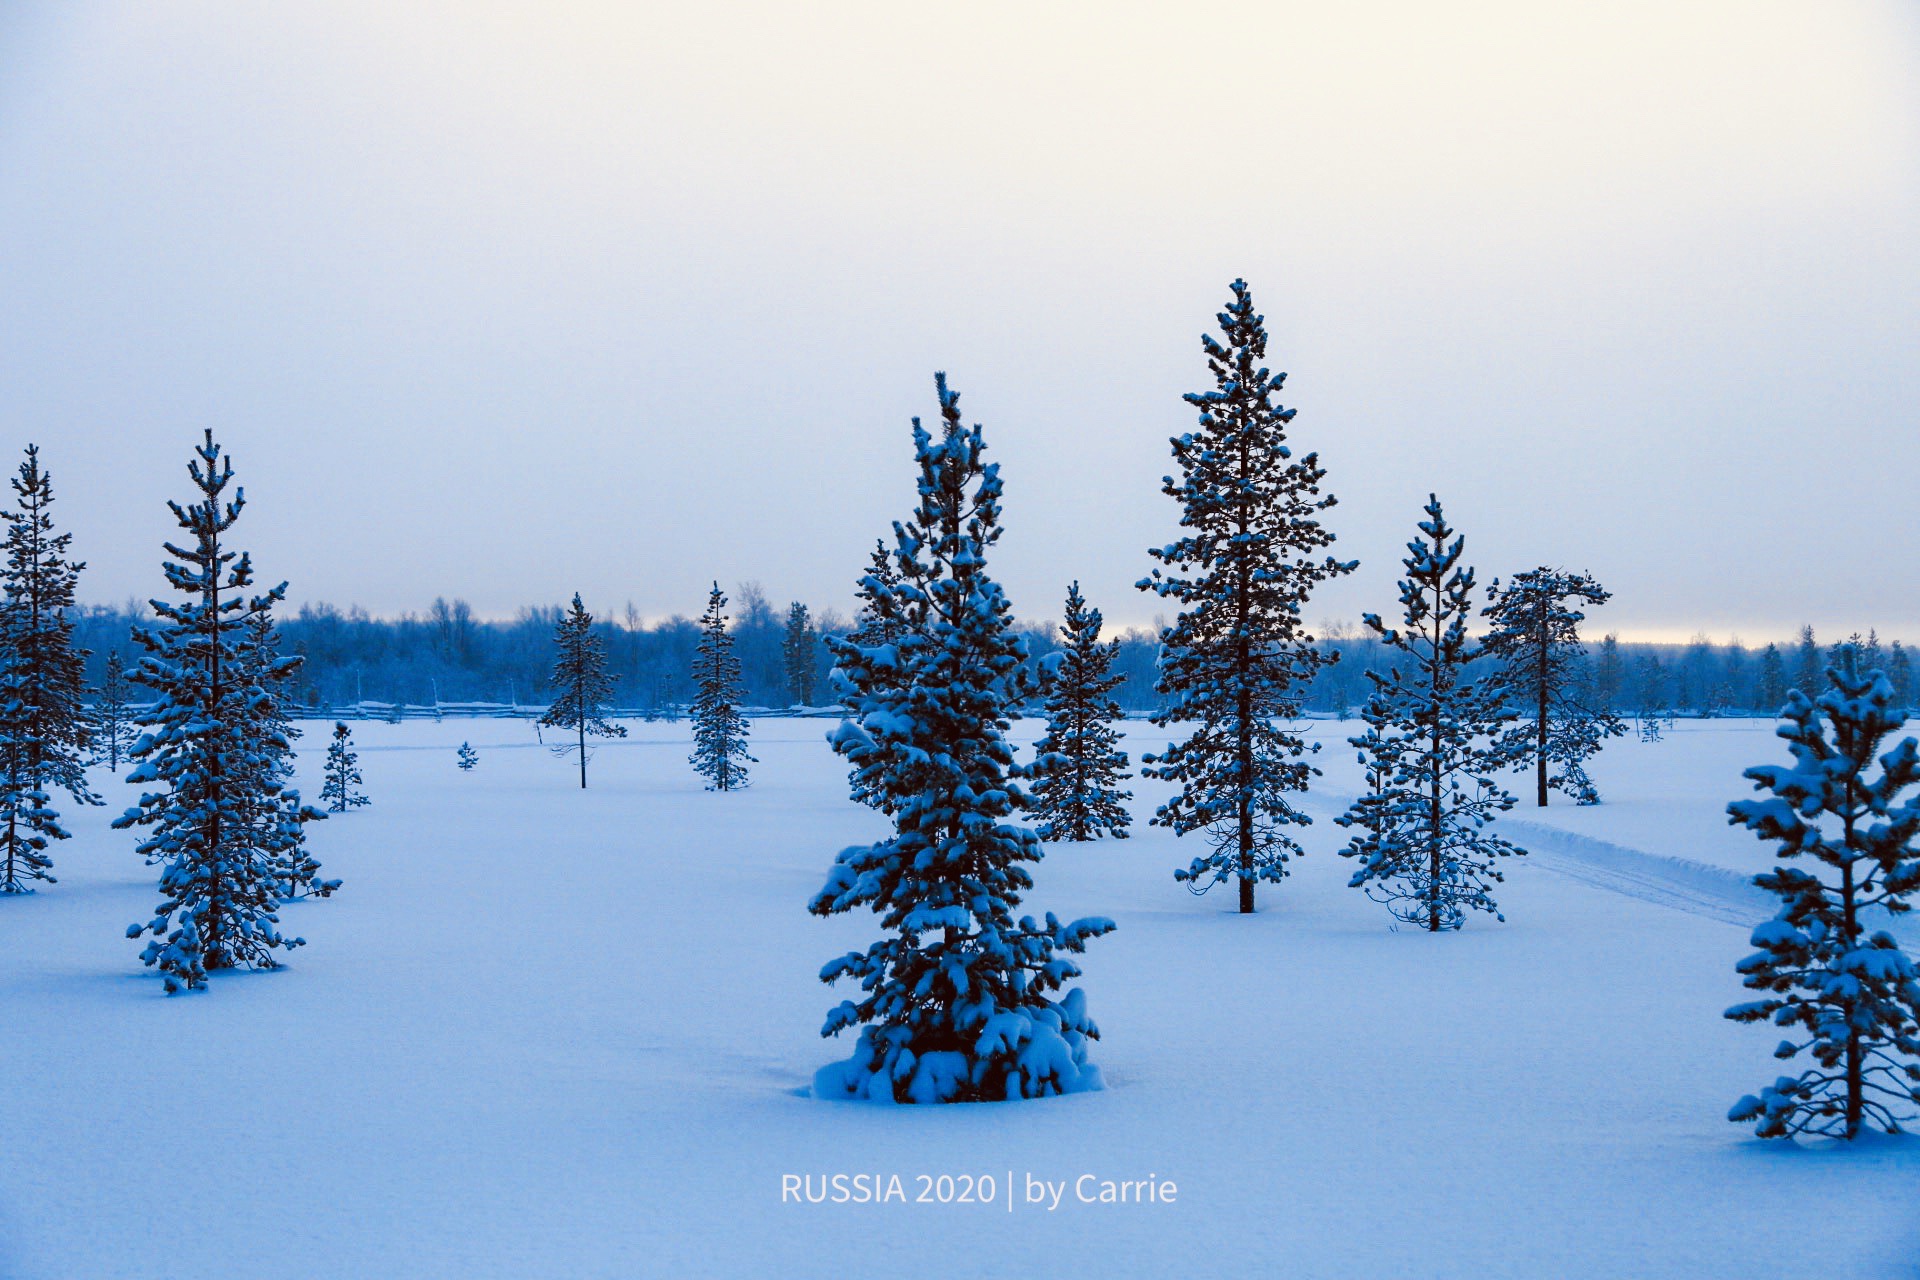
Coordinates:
(1900, 672)
(1609, 674)
(1238, 659)
(1852, 995)
(719, 730)
(1430, 751)
(113, 723)
(1534, 634)
(1770, 691)
(468, 757)
(221, 825)
(582, 689)
(1078, 765)
(341, 791)
(796, 651)
(44, 723)
(957, 999)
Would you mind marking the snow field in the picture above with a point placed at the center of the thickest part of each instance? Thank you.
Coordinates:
(547, 1032)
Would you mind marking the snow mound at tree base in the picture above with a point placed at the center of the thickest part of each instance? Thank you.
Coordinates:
(1026, 1053)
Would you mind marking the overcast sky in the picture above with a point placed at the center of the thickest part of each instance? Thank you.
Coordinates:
(503, 303)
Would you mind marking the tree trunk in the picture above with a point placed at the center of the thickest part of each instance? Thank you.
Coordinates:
(1540, 726)
(1436, 772)
(1856, 1085)
(583, 751)
(1246, 809)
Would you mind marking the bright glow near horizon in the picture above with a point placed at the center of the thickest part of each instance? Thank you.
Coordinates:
(505, 303)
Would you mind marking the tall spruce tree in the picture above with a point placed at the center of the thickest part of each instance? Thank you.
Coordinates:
(1609, 674)
(113, 722)
(1849, 996)
(45, 725)
(1770, 691)
(341, 791)
(582, 689)
(1430, 751)
(1809, 669)
(796, 651)
(956, 1001)
(1900, 672)
(719, 730)
(1534, 634)
(1078, 765)
(1239, 658)
(222, 826)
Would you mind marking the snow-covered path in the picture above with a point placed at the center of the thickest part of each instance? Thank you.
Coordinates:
(552, 1033)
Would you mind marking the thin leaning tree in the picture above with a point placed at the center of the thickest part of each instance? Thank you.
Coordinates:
(45, 726)
(1845, 816)
(1430, 751)
(220, 822)
(1237, 662)
(1534, 632)
(1078, 765)
(957, 999)
(719, 729)
(582, 689)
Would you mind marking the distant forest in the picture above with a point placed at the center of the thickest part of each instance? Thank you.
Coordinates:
(447, 656)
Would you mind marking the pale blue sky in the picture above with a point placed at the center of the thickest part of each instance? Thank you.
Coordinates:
(505, 303)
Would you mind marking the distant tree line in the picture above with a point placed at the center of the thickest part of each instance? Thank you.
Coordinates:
(449, 655)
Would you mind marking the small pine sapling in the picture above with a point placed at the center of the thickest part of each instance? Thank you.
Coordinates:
(45, 726)
(1078, 765)
(341, 791)
(468, 757)
(719, 729)
(113, 722)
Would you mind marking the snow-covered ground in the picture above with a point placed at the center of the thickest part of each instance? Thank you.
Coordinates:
(547, 1032)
